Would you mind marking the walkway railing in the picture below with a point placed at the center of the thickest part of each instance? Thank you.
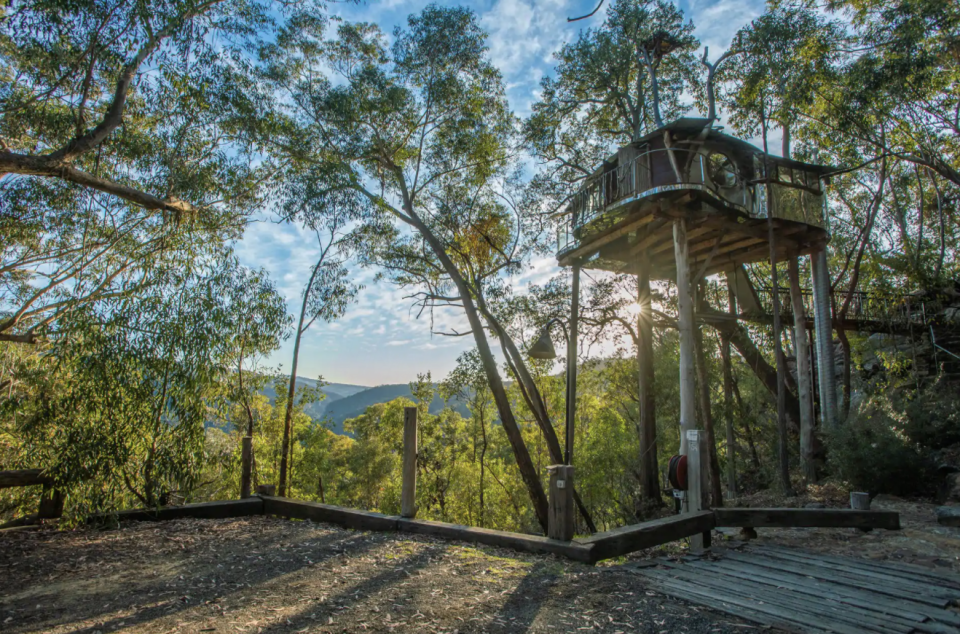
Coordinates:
(900, 310)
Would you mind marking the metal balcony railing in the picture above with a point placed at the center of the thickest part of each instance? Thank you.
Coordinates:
(646, 174)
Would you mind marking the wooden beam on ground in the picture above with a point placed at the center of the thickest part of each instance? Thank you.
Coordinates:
(806, 518)
(364, 520)
(205, 510)
(517, 541)
(628, 539)
(22, 478)
(314, 511)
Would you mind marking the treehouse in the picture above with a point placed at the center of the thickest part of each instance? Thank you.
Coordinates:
(723, 187)
(686, 201)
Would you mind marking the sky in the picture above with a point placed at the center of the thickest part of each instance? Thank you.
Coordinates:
(380, 339)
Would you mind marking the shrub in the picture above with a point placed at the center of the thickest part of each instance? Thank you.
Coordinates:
(873, 453)
(933, 417)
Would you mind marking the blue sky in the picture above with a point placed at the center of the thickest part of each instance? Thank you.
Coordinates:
(380, 340)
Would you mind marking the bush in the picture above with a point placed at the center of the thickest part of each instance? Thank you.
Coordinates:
(873, 453)
(933, 417)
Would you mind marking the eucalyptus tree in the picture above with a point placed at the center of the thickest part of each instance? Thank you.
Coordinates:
(900, 68)
(786, 56)
(119, 409)
(328, 290)
(126, 98)
(420, 129)
(613, 84)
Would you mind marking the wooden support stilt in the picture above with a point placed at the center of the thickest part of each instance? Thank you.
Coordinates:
(826, 367)
(688, 396)
(649, 477)
(408, 493)
(804, 375)
(782, 445)
(246, 463)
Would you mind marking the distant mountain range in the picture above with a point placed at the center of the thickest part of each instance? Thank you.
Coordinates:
(344, 401)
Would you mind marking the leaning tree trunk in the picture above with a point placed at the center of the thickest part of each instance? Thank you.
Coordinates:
(292, 388)
(528, 471)
(534, 400)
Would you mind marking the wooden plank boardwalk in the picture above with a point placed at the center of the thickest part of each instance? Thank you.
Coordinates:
(802, 591)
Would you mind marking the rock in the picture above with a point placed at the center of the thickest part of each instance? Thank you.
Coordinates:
(815, 505)
(949, 489)
(948, 515)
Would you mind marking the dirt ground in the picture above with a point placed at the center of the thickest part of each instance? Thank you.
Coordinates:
(263, 574)
(921, 540)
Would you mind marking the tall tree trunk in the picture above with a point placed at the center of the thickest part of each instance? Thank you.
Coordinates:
(782, 445)
(534, 400)
(845, 387)
(804, 375)
(728, 398)
(292, 387)
(747, 431)
(649, 463)
(528, 471)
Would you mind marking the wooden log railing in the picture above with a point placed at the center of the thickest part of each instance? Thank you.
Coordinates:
(51, 500)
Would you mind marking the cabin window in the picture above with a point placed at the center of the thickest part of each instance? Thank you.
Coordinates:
(722, 170)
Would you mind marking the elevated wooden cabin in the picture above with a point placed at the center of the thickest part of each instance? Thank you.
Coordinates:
(722, 186)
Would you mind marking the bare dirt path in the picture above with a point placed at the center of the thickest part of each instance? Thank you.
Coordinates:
(263, 574)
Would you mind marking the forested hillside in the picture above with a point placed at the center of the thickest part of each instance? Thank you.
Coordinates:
(141, 142)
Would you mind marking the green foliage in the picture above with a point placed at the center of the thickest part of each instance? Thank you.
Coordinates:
(872, 452)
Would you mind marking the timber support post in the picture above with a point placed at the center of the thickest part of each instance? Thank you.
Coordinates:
(246, 464)
(649, 473)
(804, 375)
(696, 470)
(561, 520)
(688, 384)
(826, 367)
(408, 494)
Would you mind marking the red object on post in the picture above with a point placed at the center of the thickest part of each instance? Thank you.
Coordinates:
(677, 472)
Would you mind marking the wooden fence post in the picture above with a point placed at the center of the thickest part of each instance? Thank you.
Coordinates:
(408, 495)
(51, 503)
(560, 522)
(246, 460)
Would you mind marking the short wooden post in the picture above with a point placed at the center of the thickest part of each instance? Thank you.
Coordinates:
(246, 455)
(408, 494)
(859, 501)
(51, 503)
(696, 471)
(560, 523)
